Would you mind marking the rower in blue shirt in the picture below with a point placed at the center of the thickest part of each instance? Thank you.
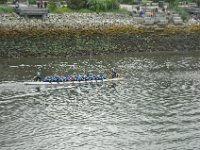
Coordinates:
(79, 78)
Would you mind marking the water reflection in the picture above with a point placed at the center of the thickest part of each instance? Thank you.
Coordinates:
(155, 107)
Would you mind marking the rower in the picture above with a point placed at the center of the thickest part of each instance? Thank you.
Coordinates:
(73, 78)
(79, 78)
(113, 73)
(37, 77)
(91, 77)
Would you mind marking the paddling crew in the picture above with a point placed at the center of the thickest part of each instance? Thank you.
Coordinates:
(72, 78)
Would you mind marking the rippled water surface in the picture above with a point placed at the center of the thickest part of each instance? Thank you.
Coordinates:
(156, 107)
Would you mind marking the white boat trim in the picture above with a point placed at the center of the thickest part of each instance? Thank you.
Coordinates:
(70, 82)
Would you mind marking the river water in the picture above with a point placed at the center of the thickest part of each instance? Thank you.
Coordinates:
(155, 107)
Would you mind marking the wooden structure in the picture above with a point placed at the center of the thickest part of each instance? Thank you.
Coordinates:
(40, 10)
(32, 11)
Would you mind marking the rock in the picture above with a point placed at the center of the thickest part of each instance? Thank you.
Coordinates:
(149, 20)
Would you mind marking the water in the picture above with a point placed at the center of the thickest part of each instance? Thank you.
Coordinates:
(155, 107)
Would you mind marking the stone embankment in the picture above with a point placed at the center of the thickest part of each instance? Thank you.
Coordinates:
(78, 20)
(90, 34)
(67, 21)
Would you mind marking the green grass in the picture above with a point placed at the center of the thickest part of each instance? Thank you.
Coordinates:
(60, 10)
(5, 9)
(85, 11)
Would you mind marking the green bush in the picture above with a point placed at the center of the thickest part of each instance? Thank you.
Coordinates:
(52, 6)
(184, 15)
(5, 9)
(77, 4)
(103, 5)
(182, 12)
(59, 10)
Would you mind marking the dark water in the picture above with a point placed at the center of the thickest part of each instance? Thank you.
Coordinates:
(156, 107)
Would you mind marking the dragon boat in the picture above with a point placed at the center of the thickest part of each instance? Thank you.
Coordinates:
(68, 82)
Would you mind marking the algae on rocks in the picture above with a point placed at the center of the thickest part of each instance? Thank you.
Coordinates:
(45, 42)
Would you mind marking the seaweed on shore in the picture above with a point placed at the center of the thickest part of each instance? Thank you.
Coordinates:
(95, 41)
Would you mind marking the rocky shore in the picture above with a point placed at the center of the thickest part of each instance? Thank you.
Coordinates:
(78, 34)
(76, 20)
(67, 21)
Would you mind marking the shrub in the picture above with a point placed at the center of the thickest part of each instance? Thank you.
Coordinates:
(182, 12)
(52, 6)
(61, 10)
(77, 4)
(103, 5)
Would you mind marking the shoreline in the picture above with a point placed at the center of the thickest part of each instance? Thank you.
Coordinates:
(97, 34)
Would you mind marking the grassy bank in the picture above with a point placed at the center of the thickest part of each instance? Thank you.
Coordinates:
(5, 9)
